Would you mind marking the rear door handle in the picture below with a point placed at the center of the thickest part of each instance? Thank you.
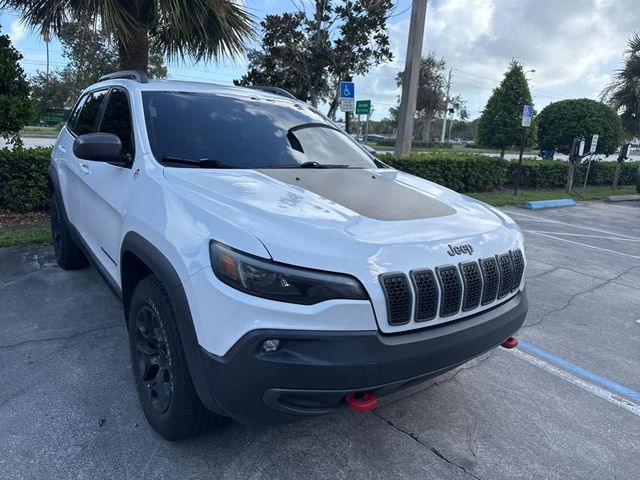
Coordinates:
(84, 168)
(62, 149)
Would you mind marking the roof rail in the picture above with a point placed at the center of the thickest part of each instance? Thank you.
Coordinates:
(137, 75)
(275, 90)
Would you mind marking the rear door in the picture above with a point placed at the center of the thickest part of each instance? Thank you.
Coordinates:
(105, 186)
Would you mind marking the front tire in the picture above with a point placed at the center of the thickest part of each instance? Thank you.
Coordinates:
(160, 369)
(68, 254)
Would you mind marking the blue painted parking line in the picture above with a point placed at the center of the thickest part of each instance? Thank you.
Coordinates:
(583, 372)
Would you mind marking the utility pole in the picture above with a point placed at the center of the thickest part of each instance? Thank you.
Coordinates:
(407, 109)
(446, 110)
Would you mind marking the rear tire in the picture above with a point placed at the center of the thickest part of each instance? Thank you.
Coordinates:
(68, 254)
(160, 369)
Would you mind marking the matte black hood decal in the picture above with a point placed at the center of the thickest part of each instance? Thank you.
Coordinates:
(364, 192)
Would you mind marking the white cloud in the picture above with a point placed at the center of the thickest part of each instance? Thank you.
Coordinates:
(574, 45)
(17, 31)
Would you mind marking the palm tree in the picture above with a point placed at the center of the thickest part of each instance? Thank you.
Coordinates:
(201, 29)
(623, 93)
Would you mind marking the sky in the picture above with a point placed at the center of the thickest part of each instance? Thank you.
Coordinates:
(574, 46)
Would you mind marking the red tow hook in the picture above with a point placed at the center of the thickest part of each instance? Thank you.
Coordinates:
(361, 404)
(509, 343)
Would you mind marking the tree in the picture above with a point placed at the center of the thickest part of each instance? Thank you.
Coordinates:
(432, 94)
(16, 108)
(202, 29)
(560, 122)
(623, 93)
(500, 125)
(91, 53)
(308, 53)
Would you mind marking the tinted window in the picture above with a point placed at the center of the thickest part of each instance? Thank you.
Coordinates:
(89, 114)
(117, 119)
(73, 118)
(249, 132)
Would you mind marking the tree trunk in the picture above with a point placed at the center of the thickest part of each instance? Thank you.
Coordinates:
(134, 51)
(502, 152)
(428, 132)
(333, 107)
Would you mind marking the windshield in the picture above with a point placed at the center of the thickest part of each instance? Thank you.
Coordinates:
(248, 132)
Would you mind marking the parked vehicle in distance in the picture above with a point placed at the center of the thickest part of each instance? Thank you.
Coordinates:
(269, 268)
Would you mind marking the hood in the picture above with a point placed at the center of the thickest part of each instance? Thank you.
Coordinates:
(329, 218)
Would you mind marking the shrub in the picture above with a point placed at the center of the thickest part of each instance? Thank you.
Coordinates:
(560, 122)
(463, 172)
(468, 172)
(23, 178)
(391, 142)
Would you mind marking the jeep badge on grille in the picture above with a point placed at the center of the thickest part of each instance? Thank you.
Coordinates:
(460, 249)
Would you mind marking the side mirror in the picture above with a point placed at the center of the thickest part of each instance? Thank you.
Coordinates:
(100, 147)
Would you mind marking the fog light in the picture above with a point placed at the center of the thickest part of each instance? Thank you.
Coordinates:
(271, 345)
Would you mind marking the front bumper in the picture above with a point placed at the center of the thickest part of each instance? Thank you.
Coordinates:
(313, 370)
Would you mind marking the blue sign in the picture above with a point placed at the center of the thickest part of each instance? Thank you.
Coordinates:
(347, 90)
(527, 115)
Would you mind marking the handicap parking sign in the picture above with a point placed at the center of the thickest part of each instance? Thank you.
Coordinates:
(347, 90)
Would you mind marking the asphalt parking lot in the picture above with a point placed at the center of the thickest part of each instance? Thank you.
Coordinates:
(566, 404)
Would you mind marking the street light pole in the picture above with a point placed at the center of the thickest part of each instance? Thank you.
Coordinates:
(407, 109)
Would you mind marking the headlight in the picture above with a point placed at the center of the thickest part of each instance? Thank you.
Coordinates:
(276, 281)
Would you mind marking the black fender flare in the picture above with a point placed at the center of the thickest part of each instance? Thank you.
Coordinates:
(162, 268)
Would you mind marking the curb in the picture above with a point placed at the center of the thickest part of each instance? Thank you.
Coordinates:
(622, 198)
(560, 202)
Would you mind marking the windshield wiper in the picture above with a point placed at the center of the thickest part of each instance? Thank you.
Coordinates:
(321, 165)
(201, 163)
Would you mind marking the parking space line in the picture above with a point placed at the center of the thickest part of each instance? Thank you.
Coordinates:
(585, 235)
(548, 220)
(578, 382)
(591, 247)
(594, 377)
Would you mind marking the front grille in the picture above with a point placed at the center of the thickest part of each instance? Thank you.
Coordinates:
(506, 274)
(451, 290)
(491, 278)
(472, 279)
(399, 298)
(517, 259)
(424, 283)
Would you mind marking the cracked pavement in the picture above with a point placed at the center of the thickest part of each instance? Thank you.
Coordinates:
(68, 408)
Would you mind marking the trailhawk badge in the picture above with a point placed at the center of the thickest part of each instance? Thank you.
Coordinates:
(460, 249)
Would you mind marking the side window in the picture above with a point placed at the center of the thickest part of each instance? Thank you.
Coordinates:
(73, 118)
(117, 119)
(88, 116)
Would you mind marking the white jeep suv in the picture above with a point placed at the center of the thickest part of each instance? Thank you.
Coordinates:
(269, 267)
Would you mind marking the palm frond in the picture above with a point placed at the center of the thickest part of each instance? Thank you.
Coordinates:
(202, 29)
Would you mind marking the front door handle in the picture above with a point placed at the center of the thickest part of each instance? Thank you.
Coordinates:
(84, 168)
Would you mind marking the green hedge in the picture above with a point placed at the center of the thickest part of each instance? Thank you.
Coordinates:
(391, 142)
(468, 172)
(23, 179)
(463, 172)
(23, 173)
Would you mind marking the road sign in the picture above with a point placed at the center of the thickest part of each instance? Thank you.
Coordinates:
(347, 90)
(347, 104)
(527, 115)
(363, 107)
(581, 149)
(594, 143)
